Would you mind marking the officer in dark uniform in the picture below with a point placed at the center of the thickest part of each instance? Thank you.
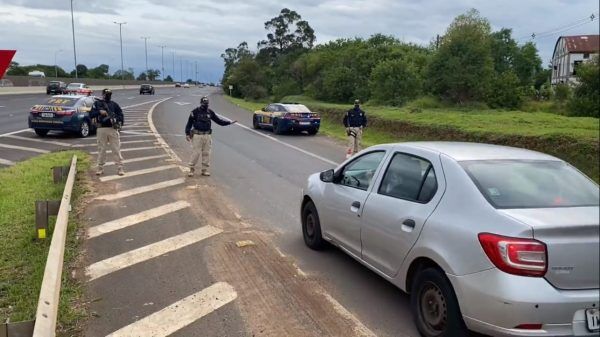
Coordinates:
(354, 121)
(198, 131)
(109, 118)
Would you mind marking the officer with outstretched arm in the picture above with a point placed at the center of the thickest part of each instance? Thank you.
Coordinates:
(354, 121)
(198, 131)
(109, 117)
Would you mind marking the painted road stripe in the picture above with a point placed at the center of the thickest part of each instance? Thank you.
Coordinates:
(181, 313)
(148, 252)
(142, 189)
(135, 219)
(45, 141)
(139, 172)
(6, 162)
(135, 105)
(135, 133)
(135, 160)
(14, 147)
(15, 132)
(125, 142)
(131, 149)
(359, 328)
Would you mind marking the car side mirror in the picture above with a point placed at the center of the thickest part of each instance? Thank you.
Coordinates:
(263, 109)
(327, 176)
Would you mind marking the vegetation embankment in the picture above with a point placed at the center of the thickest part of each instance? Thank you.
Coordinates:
(22, 257)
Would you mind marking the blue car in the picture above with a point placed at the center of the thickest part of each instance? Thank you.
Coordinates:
(286, 117)
(70, 113)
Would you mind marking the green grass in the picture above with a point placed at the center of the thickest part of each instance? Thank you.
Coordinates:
(22, 257)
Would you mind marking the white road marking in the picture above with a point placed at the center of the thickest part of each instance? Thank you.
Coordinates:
(136, 127)
(148, 252)
(135, 160)
(130, 97)
(45, 141)
(137, 218)
(23, 148)
(14, 132)
(160, 139)
(359, 328)
(125, 142)
(139, 172)
(131, 149)
(181, 313)
(140, 190)
(135, 133)
(182, 103)
(6, 162)
(288, 145)
(134, 105)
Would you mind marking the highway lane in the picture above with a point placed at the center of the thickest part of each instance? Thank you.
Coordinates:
(262, 175)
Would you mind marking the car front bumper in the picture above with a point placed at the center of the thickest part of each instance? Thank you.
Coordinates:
(494, 302)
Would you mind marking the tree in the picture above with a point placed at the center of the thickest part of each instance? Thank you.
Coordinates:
(395, 82)
(234, 55)
(81, 71)
(168, 78)
(125, 74)
(100, 71)
(15, 70)
(462, 69)
(586, 96)
(153, 74)
(527, 64)
(282, 39)
(142, 77)
(504, 50)
(505, 91)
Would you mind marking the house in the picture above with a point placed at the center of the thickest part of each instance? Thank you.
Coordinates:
(569, 53)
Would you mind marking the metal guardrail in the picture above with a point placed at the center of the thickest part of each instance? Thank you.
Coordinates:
(47, 308)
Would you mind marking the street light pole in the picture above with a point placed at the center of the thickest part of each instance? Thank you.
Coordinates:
(73, 29)
(162, 62)
(121, 39)
(180, 69)
(146, 50)
(55, 66)
(174, 67)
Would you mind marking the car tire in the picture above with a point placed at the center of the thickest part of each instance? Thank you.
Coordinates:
(255, 124)
(311, 227)
(41, 132)
(277, 129)
(313, 132)
(434, 305)
(84, 129)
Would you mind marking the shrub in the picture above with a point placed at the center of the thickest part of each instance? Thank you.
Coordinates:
(394, 82)
(586, 97)
(425, 102)
(505, 91)
(562, 92)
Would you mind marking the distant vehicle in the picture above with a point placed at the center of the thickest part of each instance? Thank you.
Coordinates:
(499, 240)
(177, 85)
(186, 85)
(286, 117)
(56, 88)
(37, 73)
(79, 89)
(146, 89)
(63, 113)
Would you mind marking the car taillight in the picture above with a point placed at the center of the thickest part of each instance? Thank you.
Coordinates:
(65, 112)
(517, 256)
(529, 326)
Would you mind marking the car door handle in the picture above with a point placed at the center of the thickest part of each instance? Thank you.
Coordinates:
(356, 204)
(409, 223)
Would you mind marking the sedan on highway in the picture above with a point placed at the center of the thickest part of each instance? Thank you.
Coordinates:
(78, 89)
(498, 240)
(56, 88)
(146, 89)
(286, 117)
(63, 113)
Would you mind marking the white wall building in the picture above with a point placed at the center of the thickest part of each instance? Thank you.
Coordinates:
(569, 53)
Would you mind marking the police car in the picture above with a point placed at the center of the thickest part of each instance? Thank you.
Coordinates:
(63, 113)
(286, 117)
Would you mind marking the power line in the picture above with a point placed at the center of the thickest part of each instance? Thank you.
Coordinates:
(593, 17)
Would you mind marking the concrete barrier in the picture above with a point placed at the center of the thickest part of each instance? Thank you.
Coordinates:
(42, 90)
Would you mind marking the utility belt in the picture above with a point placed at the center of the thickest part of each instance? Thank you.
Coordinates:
(196, 132)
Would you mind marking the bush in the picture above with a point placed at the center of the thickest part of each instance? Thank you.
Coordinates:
(425, 102)
(286, 88)
(394, 82)
(505, 91)
(338, 84)
(562, 92)
(586, 97)
(254, 91)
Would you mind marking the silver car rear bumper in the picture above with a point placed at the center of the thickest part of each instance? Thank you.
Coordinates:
(494, 302)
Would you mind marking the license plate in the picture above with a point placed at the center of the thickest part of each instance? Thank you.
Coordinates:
(304, 123)
(47, 114)
(593, 319)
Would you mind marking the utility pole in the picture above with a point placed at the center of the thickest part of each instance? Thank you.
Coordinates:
(437, 41)
(173, 66)
(196, 71)
(146, 50)
(55, 66)
(162, 62)
(180, 69)
(74, 49)
(121, 39)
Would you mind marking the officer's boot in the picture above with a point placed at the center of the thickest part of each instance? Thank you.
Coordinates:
(191, 172)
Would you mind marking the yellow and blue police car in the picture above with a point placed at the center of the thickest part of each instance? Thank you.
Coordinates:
(287, 117)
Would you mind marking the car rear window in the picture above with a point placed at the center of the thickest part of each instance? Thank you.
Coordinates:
(532, 184)
(296, 108)
(74, 85)
(62, 101)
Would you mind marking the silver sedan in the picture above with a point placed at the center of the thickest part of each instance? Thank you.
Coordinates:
(498, 240)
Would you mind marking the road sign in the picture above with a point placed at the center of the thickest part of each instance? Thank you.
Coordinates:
(230, 87)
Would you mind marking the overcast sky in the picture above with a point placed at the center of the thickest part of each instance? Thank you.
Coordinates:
(200, 30)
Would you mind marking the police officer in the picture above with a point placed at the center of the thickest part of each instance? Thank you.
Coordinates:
(198, 131)
(354, 121)
(109, 119)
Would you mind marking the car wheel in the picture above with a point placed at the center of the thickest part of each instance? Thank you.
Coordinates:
(41, 132)
(434, 305)
(255, 122)
(311, 227)
(277, 129)
(313, 132)
(84, 129)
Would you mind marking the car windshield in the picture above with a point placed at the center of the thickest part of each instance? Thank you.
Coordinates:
(296, 108)
(61, 101)
(532, 184)
(74, 85)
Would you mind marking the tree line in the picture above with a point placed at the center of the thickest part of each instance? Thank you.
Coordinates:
(99, 72)
(469, 63)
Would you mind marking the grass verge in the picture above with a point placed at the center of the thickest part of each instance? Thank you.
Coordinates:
(574, 139)
(22, 258)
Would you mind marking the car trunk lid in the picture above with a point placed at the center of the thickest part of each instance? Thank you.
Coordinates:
(571, 235)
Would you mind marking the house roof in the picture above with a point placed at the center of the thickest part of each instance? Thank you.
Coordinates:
(582, 43)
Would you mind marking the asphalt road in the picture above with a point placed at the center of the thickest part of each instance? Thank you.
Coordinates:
(263, 174)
